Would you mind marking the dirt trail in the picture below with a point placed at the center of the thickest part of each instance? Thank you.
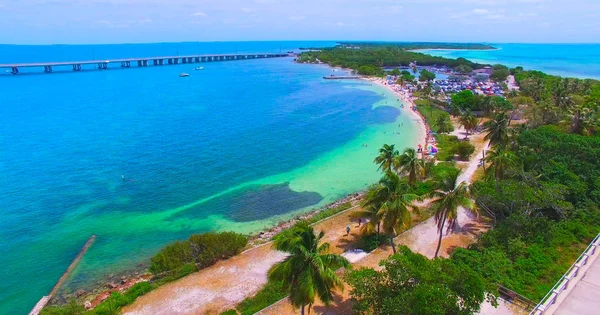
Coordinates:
(422, 239)
(222, 286)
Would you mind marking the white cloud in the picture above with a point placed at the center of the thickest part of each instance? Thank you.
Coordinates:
(247, 10)
(481, 11)
(200, 14)
(339, 24)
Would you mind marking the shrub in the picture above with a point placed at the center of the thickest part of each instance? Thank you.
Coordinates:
(171, 257)
(71, 308)
(446, 145)
(229, 312)
(464, 149)
(201, 250)
(373, 241)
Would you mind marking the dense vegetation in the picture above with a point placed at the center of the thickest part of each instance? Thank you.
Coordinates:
(412, 284)
(541, 190)
(199, 251)
(370, 60)
(421, 45)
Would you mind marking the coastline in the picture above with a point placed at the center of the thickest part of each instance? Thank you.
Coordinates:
(424, 129)
(122, 281)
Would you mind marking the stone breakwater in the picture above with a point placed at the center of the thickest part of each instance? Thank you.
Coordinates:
(268, 234)
(91, 297)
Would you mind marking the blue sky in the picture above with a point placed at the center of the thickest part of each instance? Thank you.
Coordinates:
(119, 21)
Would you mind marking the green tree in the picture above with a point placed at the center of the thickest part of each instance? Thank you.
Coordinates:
(370, 211)
(464, 100)
(411, 284)
(464, 149)
(425, 75)
(499, 73)
(309, 270)
(387, 158)
(469, 122)
(455, 110)
(446, 200)
(497, 130)
(394, 202)
(464, 69)
(442, 123)
(500, 160)
(409, 164)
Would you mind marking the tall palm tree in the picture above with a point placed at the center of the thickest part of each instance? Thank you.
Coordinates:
(500, 160)
(469, 121)
(387, 158)
(455, 110)
(309, 270)
(409, 164)
(442, 124)
(394, 204)
(370, 211)
(497, 129)
(446, 201)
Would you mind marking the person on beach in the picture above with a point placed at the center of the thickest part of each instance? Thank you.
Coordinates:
(347, 230)
(359, 221)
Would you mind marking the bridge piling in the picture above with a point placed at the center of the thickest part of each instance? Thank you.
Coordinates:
(141, 62)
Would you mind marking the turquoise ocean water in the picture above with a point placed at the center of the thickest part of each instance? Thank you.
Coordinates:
(567, 60)
(238, 146)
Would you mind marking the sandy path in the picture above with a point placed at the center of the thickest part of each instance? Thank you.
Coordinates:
(422, 239)
(222, 286)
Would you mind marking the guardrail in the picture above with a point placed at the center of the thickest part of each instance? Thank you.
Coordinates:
(515, 298)
(564, 281)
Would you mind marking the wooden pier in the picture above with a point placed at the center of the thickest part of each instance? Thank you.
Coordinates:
(139, 62)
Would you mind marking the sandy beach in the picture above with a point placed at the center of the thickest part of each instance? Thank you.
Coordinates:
(423, 131)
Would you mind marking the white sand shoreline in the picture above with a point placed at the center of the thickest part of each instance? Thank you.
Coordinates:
(423, 132)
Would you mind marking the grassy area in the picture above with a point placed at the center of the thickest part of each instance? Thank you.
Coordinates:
(431, 113)
(329, 212)
(112, 305)
(446, 147)
(269, 294)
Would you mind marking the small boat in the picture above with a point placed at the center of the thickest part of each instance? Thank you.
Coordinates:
(183, 74)
(199, 68)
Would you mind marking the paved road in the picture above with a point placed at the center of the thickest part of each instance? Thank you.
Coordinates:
(585, 297)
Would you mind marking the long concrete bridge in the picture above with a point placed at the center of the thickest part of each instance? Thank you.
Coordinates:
(139, 62)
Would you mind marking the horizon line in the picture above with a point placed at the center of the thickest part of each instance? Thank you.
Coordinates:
(309, 40)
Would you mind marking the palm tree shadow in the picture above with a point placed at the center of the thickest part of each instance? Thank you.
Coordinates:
(338, 306)
(349, 242)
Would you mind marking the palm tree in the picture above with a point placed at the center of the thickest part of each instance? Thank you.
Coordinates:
(394, 204)
(500, 160)
(426, 167)
(370, 211)
(446, 201)
(309, 270)
(497, 130)
(387, 158)
(455, 110)
(442, 124)
(409, 163)
(469, 121)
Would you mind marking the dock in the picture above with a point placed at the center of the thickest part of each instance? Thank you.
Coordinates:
(45, 299)
(139, 62)
(334, 77)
